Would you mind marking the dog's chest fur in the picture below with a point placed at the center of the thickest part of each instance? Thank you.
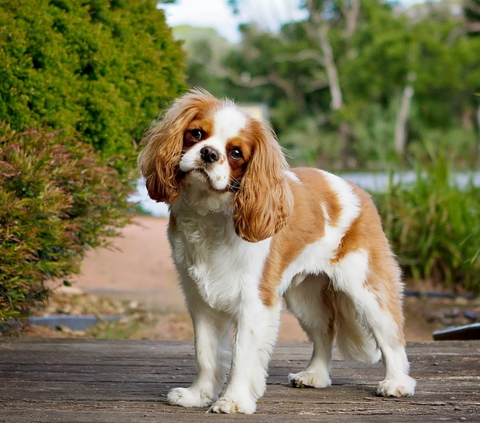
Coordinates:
(223, 268)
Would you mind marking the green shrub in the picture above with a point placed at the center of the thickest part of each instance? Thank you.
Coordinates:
(100, 69)
(57, 199)
(433, 225)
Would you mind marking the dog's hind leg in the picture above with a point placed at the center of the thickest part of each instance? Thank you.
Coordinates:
(313, 304)
(375, 291)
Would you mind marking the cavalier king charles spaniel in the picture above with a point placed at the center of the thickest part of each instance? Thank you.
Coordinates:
(247, 231)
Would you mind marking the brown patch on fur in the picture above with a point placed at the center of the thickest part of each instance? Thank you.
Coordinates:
(263, 203)
(203, 123)
(164, 143)
(306, 226)
(384, 278)
(239, 166)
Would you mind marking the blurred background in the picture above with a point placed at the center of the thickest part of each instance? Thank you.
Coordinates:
(385, 93)
(346, 84)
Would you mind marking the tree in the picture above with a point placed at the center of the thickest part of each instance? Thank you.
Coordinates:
(99, 69)
(358, 84)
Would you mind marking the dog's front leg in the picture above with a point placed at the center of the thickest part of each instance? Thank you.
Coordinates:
(211, 329)
(257, 331)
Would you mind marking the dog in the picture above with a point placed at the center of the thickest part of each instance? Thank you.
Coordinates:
(247, 231)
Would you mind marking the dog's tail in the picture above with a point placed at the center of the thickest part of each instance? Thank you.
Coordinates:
(353, 339)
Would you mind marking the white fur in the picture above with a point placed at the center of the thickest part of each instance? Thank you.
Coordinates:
(228, 122)
(293, 177)
(220, 275)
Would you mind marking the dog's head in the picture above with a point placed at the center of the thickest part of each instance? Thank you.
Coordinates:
(225, 149)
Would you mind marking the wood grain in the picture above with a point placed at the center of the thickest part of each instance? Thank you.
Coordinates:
(75, 380)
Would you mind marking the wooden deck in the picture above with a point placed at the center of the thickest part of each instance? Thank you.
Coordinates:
(67, 380)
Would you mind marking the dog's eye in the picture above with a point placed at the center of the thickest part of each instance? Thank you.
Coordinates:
(236, 154)
(196, 134)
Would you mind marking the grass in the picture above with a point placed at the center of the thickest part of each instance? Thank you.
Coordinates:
(433, 225)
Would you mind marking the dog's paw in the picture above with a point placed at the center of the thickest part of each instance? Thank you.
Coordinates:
(404, 387)
(309, 379)
(229, 406)
(189, 397)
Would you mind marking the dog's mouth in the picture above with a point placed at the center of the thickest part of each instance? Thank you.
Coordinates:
(201, 175)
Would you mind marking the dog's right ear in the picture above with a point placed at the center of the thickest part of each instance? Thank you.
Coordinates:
(160, 158)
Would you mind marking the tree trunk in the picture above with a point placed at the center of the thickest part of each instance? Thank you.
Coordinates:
(332, 74)
(402, 117)
(351, 17)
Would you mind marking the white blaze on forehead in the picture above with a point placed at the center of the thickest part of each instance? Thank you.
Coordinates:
(228, 122)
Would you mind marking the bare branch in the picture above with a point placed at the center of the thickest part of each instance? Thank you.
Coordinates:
(244, 80)
(351, 17)
(317, 29)
(301, 56)
(315, 86)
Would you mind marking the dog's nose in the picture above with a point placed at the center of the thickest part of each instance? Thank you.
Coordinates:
(209, 155)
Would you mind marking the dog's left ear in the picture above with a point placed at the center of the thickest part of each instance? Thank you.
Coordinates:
(159, 160)
(264, 202)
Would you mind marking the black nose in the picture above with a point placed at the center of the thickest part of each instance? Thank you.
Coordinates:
(209, 155)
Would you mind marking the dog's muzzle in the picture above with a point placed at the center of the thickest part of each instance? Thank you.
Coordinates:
(209, 155)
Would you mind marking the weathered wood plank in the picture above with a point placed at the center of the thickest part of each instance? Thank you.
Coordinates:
(127, 381)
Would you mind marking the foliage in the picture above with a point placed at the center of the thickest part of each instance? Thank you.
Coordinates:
(303, 148)
(100, 69)
(205, 46)
(432, 224)
(286, 70)
(57, 199)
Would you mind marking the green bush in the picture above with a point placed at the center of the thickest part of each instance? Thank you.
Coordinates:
(100, 69)
(57, 199)
(433, 225)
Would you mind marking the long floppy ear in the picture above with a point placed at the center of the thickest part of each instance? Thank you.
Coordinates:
(264, 202)
(159, 160)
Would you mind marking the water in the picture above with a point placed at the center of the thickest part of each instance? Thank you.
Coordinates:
(147, 204)
(373, 182)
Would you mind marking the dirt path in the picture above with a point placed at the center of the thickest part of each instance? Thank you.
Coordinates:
(138, 264)
(139, 267)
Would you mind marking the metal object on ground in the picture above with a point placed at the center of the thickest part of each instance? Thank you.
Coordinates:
(458, 333)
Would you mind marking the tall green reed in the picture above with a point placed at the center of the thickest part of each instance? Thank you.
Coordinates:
(433, 223)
